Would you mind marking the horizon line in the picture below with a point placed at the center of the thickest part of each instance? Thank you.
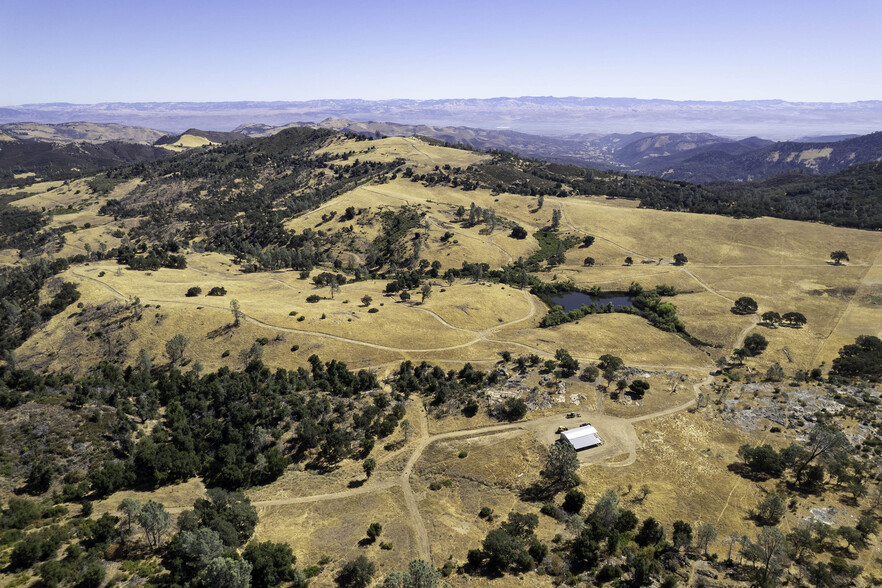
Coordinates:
(524, 97)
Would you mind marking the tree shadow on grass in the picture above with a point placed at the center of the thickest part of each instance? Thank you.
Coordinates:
(540, 491)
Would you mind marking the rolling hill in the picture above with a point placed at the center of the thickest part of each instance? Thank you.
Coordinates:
(81, 132)
(57, 160)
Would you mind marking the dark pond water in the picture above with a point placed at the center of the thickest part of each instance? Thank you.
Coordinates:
(575, 300)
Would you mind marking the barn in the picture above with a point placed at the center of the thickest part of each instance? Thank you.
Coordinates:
(583, 437)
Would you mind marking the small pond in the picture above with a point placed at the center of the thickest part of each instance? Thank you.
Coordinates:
(575, 300)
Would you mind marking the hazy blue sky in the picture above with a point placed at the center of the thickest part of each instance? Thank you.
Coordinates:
(190, 50)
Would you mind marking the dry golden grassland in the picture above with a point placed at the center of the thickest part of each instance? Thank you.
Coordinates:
(176, 497)
(418, 154)
(187, 141)
(336, 527)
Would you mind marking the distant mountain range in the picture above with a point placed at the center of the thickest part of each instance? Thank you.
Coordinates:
(694, 157)
(540, 115)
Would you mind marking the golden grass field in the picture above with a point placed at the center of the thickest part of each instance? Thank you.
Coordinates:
(683, 456)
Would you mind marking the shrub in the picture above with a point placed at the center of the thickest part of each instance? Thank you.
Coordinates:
(373, 310)
(745, 305)
(301, 318)
(515, 409)
(313, 298)
(574, 501)
(194, 291)
(218, 291)
(589, 374)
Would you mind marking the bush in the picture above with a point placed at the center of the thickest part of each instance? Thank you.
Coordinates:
(301, 318)
(745, 305)
(357, 573)
(218, 291)
(608, 573)
(313, 298)
(373, 310)
(515, 409)
(589, 374)
(574, 501)
(194, 291)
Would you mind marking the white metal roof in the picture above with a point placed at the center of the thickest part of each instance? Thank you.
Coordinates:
(579, 432)
(582, 437)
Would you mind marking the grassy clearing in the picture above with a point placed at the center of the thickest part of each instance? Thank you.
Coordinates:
(335, 527)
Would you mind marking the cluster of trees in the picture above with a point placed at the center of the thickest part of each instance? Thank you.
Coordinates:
(477, 215)
(552, 249)
(20, 308)
(226, 426)
(157, 256)
(608, 543)
(847, 198)
(204, 552)
(391, 246)
(451, 388)
(444, 175)
(754, 344)
(206, 549)
(861, 359)
(747, 305)
(20, 228)
(788, 319)
(825, 449)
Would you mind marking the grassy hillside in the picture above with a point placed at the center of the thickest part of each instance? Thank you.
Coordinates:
(81, 132)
